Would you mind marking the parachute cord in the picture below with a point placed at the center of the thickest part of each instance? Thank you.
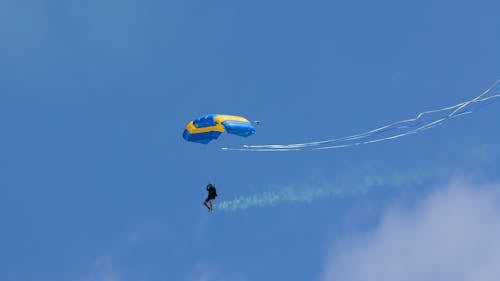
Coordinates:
(405, 127)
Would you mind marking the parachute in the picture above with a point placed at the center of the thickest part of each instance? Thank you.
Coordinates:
(209, 127)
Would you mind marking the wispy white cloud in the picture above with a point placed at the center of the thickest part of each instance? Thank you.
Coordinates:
(145, 231)
(102, 269)
(109, 266)
(208, 271)
(451, 235)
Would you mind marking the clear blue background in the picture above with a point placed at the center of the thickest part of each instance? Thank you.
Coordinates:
(96, 182)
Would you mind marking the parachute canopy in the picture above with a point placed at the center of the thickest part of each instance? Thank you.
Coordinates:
(209, 127)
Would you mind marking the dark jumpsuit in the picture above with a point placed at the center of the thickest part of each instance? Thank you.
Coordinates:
(212, 192)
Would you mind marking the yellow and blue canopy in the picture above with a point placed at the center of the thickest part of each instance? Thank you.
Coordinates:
(209, 127)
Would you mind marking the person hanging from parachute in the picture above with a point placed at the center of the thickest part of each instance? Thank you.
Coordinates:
(212, 193)
(209, 127)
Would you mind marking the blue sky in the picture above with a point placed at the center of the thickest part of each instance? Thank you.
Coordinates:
(96, 182)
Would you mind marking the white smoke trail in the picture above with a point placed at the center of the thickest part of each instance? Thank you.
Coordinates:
(423, 121)
(291, 194)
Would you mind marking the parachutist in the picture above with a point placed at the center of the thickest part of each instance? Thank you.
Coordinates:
(257, 122)
(212, 193)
